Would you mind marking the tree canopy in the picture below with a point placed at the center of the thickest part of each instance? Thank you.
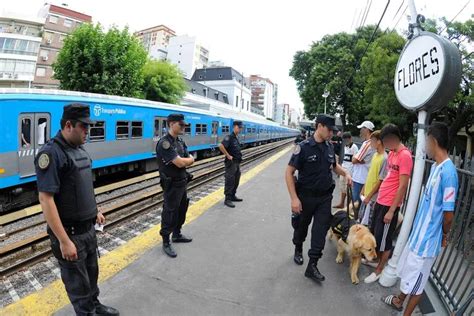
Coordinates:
(92, 60)
(360, 77)
(163, 82)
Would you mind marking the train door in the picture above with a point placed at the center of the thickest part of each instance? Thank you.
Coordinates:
(160, 130)
(34, 131)
(214, 137)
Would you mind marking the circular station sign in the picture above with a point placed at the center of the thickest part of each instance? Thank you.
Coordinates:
(428, 73)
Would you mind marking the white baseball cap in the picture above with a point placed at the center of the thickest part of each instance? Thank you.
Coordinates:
(368, 125)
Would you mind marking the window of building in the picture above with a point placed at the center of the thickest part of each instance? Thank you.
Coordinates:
(236, 101)
(205, 92)
(137, 129)
(48, 36)
(62, 38)
(41, 71)
(216, 94)
(97, 131)
(200, 76)
(67, 23)
(201, 129)
(220, 76)
(225, 129)
(122, 130)
(187, 129)
(53, 19)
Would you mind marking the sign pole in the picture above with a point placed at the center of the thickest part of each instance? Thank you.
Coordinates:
(427, 76)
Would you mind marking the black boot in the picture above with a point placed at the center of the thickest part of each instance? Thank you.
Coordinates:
(167, 248)
(229, 203)
(178, 237)
(312, 271)
(101, 309)
(236, 199)
(298, 258)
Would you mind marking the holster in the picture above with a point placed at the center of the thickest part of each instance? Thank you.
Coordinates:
(295, 220)
(165, 181)
(189, 176)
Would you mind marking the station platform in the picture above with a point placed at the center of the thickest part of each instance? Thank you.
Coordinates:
(239, 263)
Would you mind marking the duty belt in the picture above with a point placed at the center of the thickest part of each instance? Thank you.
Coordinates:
(314, 192)
(79, 227)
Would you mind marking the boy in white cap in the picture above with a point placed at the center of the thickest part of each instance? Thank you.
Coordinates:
(361, 160)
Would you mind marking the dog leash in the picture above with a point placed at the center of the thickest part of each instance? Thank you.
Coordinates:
(349, 200)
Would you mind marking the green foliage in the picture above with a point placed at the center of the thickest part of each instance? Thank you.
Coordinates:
(163, 82)
(368, 92)
(94, 61)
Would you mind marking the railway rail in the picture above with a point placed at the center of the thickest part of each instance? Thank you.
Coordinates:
(23, 253)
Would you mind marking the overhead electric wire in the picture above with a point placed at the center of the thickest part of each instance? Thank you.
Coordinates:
(363, 14)
(464, 7)
(367, 13)
(401, 16)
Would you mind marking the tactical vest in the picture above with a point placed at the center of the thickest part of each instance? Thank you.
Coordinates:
(170, 169)
(76, 199)
(341, 224)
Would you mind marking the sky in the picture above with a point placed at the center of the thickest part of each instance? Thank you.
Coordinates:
(254, 36)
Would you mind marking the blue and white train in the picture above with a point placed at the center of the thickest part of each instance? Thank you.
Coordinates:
(123, 137)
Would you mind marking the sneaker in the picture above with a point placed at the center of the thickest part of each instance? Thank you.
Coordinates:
(373, 277)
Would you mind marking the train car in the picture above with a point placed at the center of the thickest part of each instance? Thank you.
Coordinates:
(123, 137)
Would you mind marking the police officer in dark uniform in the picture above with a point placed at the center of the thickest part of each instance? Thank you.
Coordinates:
(230, 147)
(301, 137)
(311, 195)
(66, 194)
(173, 158)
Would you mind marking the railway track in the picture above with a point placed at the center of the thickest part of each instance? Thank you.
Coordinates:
(26, 252)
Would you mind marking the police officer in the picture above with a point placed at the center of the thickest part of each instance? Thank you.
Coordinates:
(301, 137)
(230, 147)
(173, 158)
(66, 194)
(311, 195)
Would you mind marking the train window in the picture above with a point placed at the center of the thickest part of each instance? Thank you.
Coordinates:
(25, 132)
(225, 129)
(42, 129)
(122, 130)
(157, 128)
(201, 129)
(249, 130)
(187, 129)
(254, 130)
(97, 131)
(137, 129)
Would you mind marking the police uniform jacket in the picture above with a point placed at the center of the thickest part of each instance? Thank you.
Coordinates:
(65, 171)
(232, 145)
(167, 149)
(314, 162)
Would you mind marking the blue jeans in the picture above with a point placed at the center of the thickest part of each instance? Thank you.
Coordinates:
(356, 188)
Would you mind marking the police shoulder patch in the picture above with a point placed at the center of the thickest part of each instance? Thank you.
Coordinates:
(165, 144)
(227, 138)
(297, 150)
(44, 161)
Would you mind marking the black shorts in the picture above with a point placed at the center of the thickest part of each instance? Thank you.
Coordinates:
(384, 232)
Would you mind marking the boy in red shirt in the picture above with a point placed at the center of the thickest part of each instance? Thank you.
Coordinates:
(391, 193)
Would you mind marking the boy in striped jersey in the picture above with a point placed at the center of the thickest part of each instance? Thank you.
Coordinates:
(431, 225)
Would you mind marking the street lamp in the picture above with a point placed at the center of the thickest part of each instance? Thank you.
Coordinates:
(325, 96)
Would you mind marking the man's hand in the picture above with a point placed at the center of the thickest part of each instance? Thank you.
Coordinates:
(229, 157)
(388, 217)
(366, 200)
(296, 206)
(100, 218)
(349, 179)
(444, 241)
(68, 250)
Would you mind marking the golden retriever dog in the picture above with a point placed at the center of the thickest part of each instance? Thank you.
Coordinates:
(359, 242)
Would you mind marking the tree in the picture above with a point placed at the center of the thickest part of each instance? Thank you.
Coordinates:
(459, 113)
(163, 82)
(376, 76)
(94, 61)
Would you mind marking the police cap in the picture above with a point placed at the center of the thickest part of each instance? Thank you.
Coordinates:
(328, 121)
(175, 117)
(237, 123)
(77, 112)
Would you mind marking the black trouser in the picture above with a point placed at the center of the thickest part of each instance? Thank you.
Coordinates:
(232, 178)
(318, 208)
(80, 276)
(175, 206)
